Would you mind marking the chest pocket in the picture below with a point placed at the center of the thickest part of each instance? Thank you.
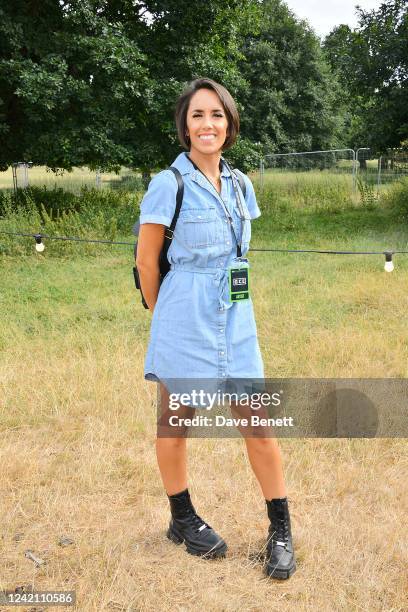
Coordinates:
(200, 227)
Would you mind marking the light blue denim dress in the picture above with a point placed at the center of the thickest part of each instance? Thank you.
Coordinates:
(196, 332)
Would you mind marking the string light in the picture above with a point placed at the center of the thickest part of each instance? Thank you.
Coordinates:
(389, 265)
(39, 245)
(73, 238)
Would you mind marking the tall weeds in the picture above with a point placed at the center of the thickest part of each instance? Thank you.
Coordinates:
(94, 214)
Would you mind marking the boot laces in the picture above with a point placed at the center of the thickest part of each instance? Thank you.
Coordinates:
(279, 530)
(196, 520)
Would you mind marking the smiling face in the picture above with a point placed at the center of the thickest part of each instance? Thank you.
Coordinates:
(207, 123)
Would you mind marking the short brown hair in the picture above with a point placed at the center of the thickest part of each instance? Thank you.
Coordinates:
(226, 100)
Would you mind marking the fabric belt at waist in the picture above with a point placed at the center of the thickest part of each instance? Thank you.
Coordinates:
(199, 269)
(220, 276)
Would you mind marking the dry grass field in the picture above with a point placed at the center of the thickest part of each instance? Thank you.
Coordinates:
(77, 455)
(71, 181)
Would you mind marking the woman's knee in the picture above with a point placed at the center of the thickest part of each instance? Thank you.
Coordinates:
(262, 445)
(175, 443)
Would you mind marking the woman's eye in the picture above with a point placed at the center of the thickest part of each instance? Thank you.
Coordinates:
(215, 115)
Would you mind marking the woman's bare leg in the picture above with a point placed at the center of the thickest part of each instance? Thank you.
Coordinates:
(185, 524)
(263, 454)
(171, 452)
(172, 459)
(265, 459)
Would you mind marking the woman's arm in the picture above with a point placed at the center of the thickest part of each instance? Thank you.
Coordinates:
(149, 246)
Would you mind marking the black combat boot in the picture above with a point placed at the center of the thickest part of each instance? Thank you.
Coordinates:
(280, 558)
(186, 526)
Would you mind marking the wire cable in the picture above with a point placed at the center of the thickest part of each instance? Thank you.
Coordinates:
(330, 252)
(65, 238)
(39, 236)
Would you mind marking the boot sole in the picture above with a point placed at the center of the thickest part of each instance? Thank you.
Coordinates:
(279, 574)
(218, 551)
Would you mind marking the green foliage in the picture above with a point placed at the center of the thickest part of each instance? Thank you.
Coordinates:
(293, 209)
(118, 208)
(372, 64)
(95, 214)
(397, 200)
(292, 194)
(288, 104)
(91, 83)
(368, 196)
(128, 182)
(70, 81)
(55, 201)
(244, 155)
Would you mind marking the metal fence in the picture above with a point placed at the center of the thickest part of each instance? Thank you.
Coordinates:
(348, 162)
(356, 164)
(337, 161)
(392, 167)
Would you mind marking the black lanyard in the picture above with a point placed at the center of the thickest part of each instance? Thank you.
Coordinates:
(237, 198)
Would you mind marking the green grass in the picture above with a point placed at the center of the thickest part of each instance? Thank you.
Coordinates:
(320, 228)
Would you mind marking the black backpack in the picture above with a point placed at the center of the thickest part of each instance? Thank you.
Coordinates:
(164, 265)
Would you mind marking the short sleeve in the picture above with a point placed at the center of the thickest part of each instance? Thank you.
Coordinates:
(250, 198)
(159, 202)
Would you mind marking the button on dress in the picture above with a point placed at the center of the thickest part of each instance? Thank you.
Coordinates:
(196, 332)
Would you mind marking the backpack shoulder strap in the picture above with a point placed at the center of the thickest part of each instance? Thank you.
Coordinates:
(241, 181)
(179, 197)
(179, 201)
(168, 233)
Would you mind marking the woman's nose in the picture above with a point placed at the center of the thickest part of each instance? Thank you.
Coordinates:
(207, 121)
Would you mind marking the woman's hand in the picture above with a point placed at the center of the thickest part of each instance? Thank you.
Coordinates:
(149, 246)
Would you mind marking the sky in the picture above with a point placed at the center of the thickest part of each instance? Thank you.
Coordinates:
(324, 15)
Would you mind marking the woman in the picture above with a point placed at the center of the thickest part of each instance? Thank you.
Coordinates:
(197, 329)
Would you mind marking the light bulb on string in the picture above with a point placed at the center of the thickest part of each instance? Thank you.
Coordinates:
(389, 265)
(39, 245)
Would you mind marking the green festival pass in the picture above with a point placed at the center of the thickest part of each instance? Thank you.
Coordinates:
(239, 283)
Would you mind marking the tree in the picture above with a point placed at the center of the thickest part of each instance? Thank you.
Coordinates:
(372, 63)
(289, 102)
(67, 79)
(94, 82)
